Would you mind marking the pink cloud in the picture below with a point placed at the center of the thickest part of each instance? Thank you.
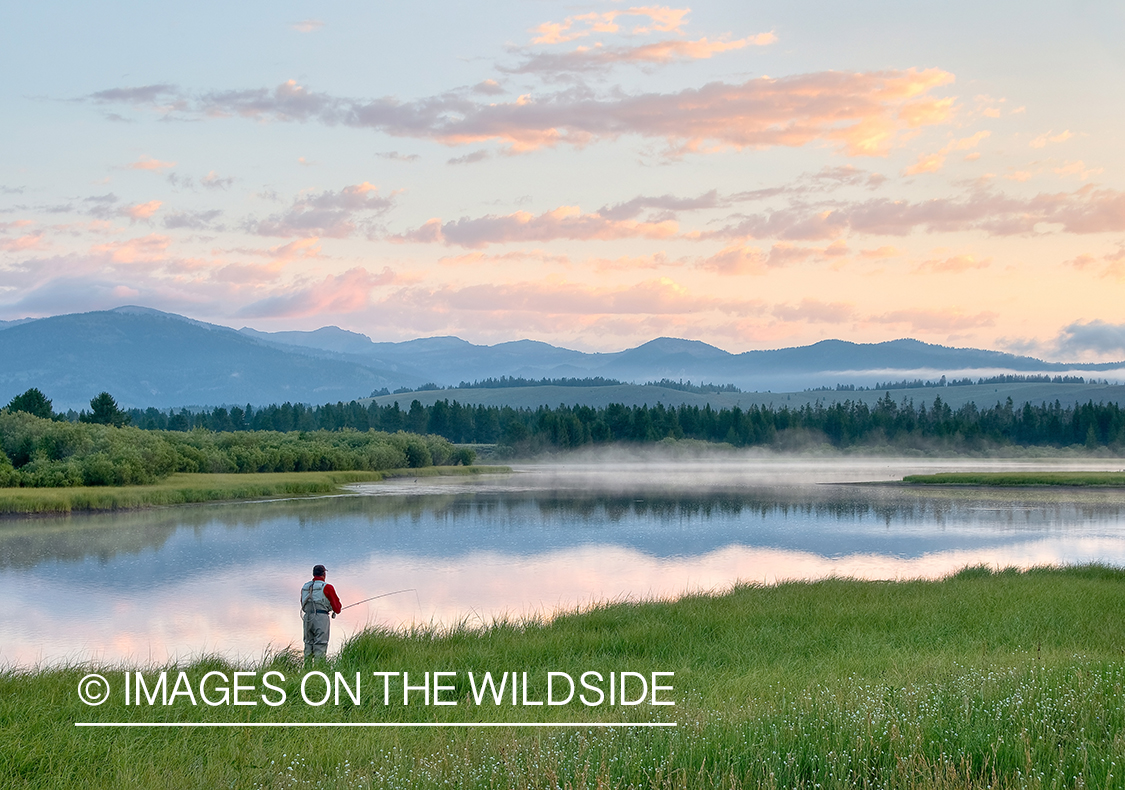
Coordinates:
(936, 320)
(566, 222)
(557, 297)
(516, 256)
(863, 114)
(931, 163)
(1042, 140)
(816, 311)
(661, 18)
(307, 25)
(29, 241)
(142, 210)
(1086, 210)
(600, 57)
(954, 264)
(147, 249)
(335, 294)
(146, 162)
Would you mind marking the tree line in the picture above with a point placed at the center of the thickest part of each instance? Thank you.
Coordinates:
(842, 424)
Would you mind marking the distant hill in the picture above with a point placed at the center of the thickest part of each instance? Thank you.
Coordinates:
(450, 360)
(145, 357)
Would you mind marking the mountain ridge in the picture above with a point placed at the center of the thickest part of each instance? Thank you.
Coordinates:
(147, 357)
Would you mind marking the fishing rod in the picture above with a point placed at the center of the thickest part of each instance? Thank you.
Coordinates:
(373, 597)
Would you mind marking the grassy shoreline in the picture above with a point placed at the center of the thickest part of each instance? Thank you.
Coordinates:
(983, 679)
(184, 488)
(1013, 479)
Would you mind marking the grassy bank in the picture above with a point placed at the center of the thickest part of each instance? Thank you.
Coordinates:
(184, 488)
(981, 680)
(1019, 479)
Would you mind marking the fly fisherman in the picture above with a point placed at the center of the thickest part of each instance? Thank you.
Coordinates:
(318, 601)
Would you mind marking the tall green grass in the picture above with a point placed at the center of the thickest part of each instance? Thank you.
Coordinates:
(984, 679)
(180, 489)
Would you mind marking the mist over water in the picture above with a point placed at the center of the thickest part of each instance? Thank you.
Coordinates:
(179, 582)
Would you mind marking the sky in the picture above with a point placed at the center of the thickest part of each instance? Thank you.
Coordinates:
(593, 175)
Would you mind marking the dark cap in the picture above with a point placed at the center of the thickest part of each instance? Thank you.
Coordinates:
(319, 570)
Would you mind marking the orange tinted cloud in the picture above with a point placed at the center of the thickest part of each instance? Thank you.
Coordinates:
(957, 263)
(936, 320)
(146, 162)
(661, 296)
(661, 18)
(816, 311)
(142, 210)
(1042, 140)
(29, 241)
(931, 163)
(565, 222)
(659, 52)
(863, 114)
(335, 294)
(147, 249)
(1086, 210)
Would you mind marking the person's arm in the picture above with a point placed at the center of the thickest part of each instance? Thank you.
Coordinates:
(330, 594)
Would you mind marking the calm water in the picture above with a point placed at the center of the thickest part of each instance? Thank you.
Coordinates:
(179, 582)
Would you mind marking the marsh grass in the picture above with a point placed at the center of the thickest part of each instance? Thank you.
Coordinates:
(984, 679)
(1019, 479)
(184, 488)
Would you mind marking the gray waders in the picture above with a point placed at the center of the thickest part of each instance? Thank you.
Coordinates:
(316, 610)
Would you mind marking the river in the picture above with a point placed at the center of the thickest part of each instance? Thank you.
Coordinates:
(150, 586)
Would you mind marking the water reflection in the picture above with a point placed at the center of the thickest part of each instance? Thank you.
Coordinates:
(183, 581)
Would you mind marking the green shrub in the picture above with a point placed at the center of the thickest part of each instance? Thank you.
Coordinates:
(36, 452)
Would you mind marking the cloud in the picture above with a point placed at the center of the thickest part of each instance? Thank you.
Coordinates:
(566, 222)
(146, 249)
(335, 294)
(1042, 140)
(931, 163)
(213, 181)
(145, 94)
(142, 210)
(936, 320)
(1078, 169)
(28, 241)
(515, 256)
(742, 259)
(192, 220)
(816, 311)
(736, 259)
(395, 156)
(554, 296)
(468, 159)
(862, 114)
(307, 25)
(666, 203)
(955, 264)
(146, 162)
(1095, 336)
(332, 214)
(601, 58)
(1086, 210)
(489, 88)
(661, 18)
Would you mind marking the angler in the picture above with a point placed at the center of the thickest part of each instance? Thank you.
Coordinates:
(318, 601)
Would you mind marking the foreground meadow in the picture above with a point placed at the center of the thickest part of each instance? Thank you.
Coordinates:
(984, 679)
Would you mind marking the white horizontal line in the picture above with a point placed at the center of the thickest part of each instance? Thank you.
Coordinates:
(373, 724)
